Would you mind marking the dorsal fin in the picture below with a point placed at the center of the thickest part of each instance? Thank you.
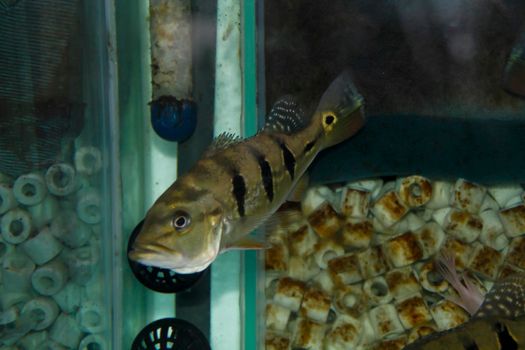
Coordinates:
(221, 142)
(286, 116)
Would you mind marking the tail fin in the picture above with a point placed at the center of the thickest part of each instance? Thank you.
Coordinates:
(470, 297)
(341, 109)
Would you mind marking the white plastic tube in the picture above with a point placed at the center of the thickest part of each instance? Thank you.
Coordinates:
(385, 320)
(82, 263)
(377, 290)
(43, 311)
(289, 293)
(43, 212)
(93, 341)
(50, 278)
(61, 179)
(43, 247)
(51, 345)
(16, 225)
(65, 331)
(389, 209)
(14, 327)
(88, 160)
(373, 186)
(73, 232)
(90, 317)
(441, 195)
(7, 198)
(33, 341)
(8, 316)
(414, 191)
(88, 206)
(345, 269)
(277, 317)
(324, 220)
(5, 249)
(346, 333)
(413, 311)
(316, 305)
(326, 251)
(17, 269)
(463, 225)
(30, 189)
(308, 334)
(314, 197)
(430, 279)
(468, 196)
(492, 233)
(68, 298)
(12, 298)
(503, 193)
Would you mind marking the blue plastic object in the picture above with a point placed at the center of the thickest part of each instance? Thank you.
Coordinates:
(173, 119)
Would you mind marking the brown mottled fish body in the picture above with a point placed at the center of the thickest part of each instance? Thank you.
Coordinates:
(499, 323)
(238, 184)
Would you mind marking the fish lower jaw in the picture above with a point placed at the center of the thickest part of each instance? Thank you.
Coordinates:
(190, 270)
(168, 262)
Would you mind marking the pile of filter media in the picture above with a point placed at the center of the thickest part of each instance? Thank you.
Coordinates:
(354, 266)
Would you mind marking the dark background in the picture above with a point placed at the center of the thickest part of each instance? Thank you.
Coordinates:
(425, 57)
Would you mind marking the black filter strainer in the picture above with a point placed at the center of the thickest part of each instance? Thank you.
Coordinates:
(170, 334)
(157, 279)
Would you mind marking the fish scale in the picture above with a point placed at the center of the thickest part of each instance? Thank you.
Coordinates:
(242, 183)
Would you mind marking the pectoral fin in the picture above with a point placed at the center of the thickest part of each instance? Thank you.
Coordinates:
(300, 188)
(250, 243)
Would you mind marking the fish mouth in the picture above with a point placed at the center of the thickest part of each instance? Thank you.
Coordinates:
(159, 256)
(152, 252)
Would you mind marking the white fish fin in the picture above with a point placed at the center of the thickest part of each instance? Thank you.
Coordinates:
(298, 192)
(469, 296)
(288, 214)
(286, 116)
(247, 243)
(283, 218)
(224, 140)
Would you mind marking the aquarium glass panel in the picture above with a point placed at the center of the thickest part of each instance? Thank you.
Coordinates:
(57, 168)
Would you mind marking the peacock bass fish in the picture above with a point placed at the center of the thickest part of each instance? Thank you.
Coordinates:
(238, 184)
(498, 318)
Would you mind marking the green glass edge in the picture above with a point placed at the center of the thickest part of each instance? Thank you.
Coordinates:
(132, 22)
(250, 128)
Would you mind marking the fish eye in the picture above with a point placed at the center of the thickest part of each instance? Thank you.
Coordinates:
(181, 220)
(329, 119)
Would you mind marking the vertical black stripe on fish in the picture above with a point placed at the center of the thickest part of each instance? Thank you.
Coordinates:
(266, 172)
(471, 346)
(288, 157)
(239, 192)
(238, 182)
(289, 160)
(311, 144)
(468, 343)
(505, 339)
(267, 177)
